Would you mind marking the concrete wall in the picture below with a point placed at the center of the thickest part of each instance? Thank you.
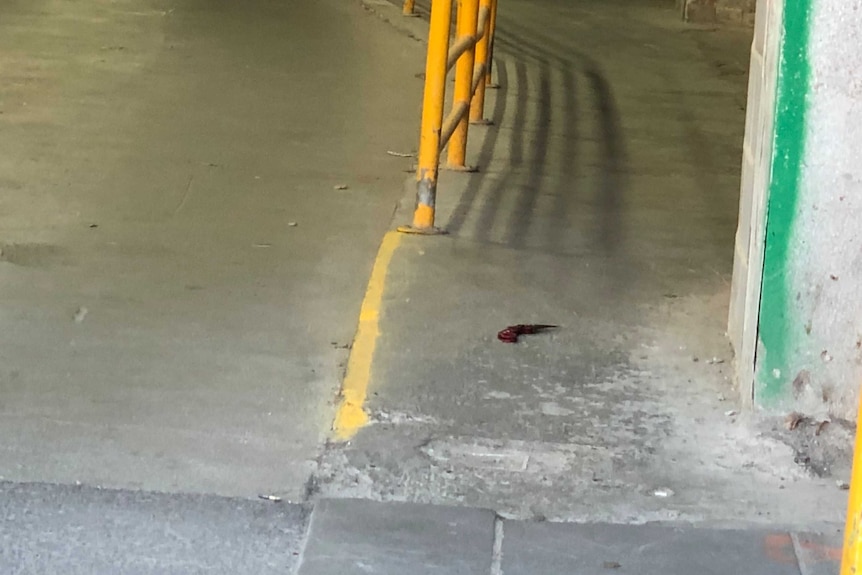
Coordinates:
(826, 249)
(809, 354)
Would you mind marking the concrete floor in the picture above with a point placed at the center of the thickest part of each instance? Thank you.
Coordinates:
(606, 203)
(166, 327)
(154, 158)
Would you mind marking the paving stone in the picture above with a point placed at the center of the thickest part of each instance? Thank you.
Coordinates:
(350, 536)
(819, 553)
(603, 549)
(47, 529)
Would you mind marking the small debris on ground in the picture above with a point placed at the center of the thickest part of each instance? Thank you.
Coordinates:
(801, 382)
(842, 485)
(398, 418)
(793, 420)
(93, 226)
(824, 355)
(821, 426)
(511, 333)
(611, 565)
(401, 154)
(663, 492)
(261, 245)
(273, 498)
(81, 314)
(730, 412)
(715, 360)
(292, 224)
(341, 187)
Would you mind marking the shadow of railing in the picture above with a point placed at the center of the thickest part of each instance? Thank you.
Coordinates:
(551, 190)
(527, 165)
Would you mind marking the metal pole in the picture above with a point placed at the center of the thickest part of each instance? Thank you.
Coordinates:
(432, 119)
(493, 26)
(477, 105)
(851, 560)
(468, 13)
(408, 8)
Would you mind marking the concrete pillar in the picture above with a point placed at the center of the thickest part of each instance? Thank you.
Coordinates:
(804, 166)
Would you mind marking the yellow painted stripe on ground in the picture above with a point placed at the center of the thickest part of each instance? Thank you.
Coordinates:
(351, 414)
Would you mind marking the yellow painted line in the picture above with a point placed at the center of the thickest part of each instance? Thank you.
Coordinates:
(351, 415)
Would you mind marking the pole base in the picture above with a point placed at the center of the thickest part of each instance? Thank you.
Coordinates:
(432, 231)
(413, 15)
(465, 169)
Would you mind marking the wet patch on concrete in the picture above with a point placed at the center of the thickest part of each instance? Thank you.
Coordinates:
(32, 254)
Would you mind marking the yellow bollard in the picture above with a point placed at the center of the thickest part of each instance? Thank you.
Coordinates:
(492, 25)
(432, 119)
(408, 8)
(851, 559)
(468, 12)
(477, 105)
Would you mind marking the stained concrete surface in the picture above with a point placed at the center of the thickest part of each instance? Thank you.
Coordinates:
(605, 203)
(179, 274)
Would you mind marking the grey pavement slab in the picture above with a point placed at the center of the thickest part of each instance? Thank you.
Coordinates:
(349, 537)
(599, 549)
(819, 553)
(87, 531)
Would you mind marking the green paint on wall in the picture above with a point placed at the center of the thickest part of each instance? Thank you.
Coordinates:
(776, 326)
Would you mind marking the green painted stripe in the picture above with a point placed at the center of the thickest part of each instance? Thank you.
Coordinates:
(776, 326)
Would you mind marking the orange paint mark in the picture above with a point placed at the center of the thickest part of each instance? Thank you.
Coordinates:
(820, 553)
(779, 548)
